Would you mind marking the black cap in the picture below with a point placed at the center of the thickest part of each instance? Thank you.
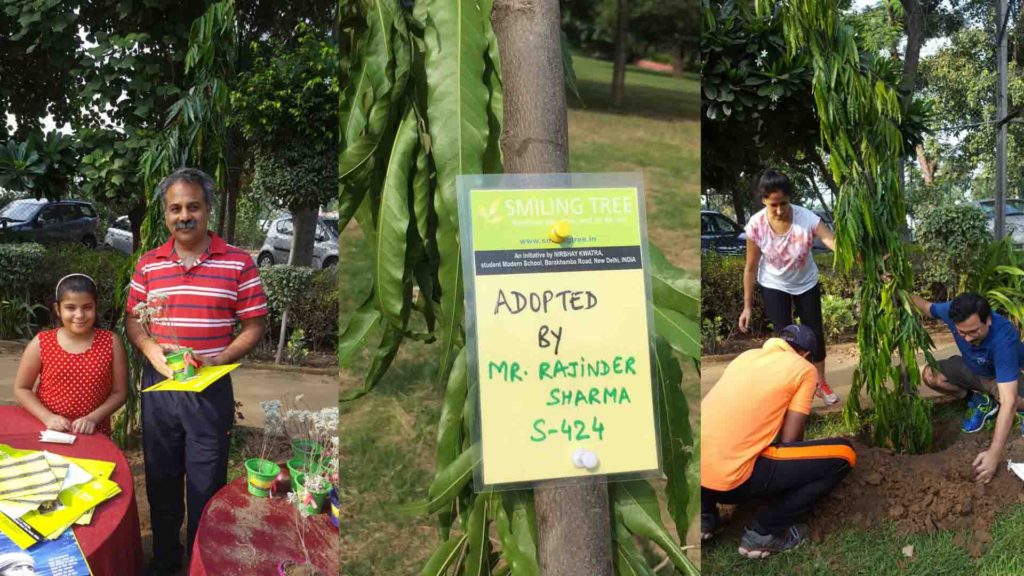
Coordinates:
(800, 336)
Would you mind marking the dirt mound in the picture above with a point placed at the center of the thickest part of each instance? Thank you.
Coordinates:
(924, 493)
(917, 493)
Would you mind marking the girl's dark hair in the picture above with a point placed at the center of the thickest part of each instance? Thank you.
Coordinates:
(772, 180)
(76, 283)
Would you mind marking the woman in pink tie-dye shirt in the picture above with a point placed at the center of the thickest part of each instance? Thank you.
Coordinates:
(780, 262)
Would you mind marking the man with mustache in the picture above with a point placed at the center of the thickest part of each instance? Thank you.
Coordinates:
(209, 286)
(988, 368)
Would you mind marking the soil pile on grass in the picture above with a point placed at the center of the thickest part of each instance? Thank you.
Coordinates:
(924, 493)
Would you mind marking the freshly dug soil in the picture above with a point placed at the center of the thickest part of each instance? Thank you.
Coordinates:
(921, 493)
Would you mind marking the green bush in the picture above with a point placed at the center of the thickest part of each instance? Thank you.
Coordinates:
(311, 297)
(722, 294)
(19, 264)
(953, 239)
(316, 312)
(837, 316)
(721, 290)
(103, 266)
(18, 318)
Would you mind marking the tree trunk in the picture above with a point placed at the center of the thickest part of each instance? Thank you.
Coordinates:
(135, 217)
(304, 224)
(573, 522)
(928, 167)
(232, 182)
(913, 26)
(677, 61)
(621, 50)
(232, 215)
(222, 212)
(739, 205)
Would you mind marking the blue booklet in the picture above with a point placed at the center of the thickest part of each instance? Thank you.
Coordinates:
(60, 557)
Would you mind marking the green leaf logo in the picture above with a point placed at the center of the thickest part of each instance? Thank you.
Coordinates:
(491, 214)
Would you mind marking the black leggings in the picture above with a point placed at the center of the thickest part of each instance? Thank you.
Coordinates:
(795, 475)
(779, 307)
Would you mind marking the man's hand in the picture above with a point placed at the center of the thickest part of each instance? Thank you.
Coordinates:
(83, 426)
(985, 465)
(56, 422)
(155, 354)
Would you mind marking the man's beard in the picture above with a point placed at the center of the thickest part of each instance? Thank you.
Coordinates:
(186, 225)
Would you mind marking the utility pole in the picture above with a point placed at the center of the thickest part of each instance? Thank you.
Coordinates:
(573, 522)
(1000, 222)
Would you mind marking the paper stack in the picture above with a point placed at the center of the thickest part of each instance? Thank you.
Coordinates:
(43, 494)
(56, 437)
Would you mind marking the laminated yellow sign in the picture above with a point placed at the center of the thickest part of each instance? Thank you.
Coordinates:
(559, 331)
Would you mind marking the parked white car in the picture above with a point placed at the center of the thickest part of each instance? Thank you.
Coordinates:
(119, 235)
(278, 245)
(1014, 212)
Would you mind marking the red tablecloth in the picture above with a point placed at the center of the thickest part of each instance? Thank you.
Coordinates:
(249, 536)
(112, 543)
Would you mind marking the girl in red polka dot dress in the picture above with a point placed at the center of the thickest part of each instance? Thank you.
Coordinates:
(82, 370)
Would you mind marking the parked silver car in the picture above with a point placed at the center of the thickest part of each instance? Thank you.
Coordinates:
(278, 245)
(119, 235)
(43, 221)
(1014, 211)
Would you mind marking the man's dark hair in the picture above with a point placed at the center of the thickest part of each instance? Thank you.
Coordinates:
(192, 176)
(771, 181)
(968, 304)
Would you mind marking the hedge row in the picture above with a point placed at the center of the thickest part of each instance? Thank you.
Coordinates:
(29, 273)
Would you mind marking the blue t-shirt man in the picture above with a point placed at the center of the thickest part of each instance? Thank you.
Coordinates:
(999, 356)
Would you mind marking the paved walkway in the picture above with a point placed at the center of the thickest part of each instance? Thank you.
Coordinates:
(839, 366)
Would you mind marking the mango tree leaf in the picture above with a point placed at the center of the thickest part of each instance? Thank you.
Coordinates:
(447, 484)
(393, 222)
(360, 325)
(382, 359)
(671, 287)
(628, 559)
(456, 95)
(681, 332)
(676, 435)
(449, 428)
(516, 529)
(637, 506)
(444, 557)
(478, 548)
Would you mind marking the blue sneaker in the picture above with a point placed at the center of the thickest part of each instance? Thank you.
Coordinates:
(982, 409)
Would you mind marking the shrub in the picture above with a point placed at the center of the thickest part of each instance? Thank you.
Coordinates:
(17, 318)
(311, 297)
(316, 312)
(722, 294)
(103, 266)
(837, 315)
(953, 239)
(19, 264)
(713, 333)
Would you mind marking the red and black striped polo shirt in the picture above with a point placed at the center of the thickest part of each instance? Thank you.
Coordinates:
(203, 303)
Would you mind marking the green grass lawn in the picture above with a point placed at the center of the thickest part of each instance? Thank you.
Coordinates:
(388, 437)
(879, 552)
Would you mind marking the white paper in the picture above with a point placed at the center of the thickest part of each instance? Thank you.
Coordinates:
(56, 437)
(15, 510)
(1016, 467)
